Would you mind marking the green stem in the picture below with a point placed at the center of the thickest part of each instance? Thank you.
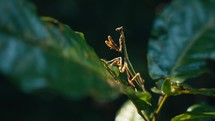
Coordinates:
(126, 55)
(146, 116)
(130, 66)
(159, 107)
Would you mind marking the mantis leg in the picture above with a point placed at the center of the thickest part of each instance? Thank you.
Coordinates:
(122, 68)
(112, 45)
(137, 75)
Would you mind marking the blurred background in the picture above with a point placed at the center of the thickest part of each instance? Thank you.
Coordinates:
(96, 19)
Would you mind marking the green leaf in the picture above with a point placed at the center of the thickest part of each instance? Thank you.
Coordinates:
(166, 87)
(183, 40)
(128, 112)
(195, 112)
(172, 88)
(46, 54)
(141, 99)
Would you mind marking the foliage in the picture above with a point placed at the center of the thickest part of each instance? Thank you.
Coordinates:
(195, 112)
(182, 44)
(183, 40)
(41, 54)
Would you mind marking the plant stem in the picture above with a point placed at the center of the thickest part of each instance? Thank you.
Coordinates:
(146, 116)
(161, 104)
(126, 55)
(159, 107)
(130, 66)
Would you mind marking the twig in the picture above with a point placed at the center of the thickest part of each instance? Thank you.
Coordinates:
(160, 104)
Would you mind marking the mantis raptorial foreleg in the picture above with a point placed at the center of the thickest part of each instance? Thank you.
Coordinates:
(112, 45)
(122, 68)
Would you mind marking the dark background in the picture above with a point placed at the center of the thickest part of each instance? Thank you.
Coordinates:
(96, 19)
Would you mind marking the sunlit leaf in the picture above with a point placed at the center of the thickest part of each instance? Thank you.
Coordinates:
(45, 54)
(128, 112)
(195, 112)
(183, 40)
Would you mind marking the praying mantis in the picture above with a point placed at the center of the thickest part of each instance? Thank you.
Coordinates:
(124, 65)
(139, 96)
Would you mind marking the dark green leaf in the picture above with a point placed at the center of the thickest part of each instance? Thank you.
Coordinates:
(142, 100)
(195, 112)
(183, 40)
(128, 112)
(139, 98)
(198, 108)
(172, 88)
(45, 54)
(156, 90)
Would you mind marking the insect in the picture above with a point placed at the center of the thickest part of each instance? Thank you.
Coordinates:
(123, 64)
